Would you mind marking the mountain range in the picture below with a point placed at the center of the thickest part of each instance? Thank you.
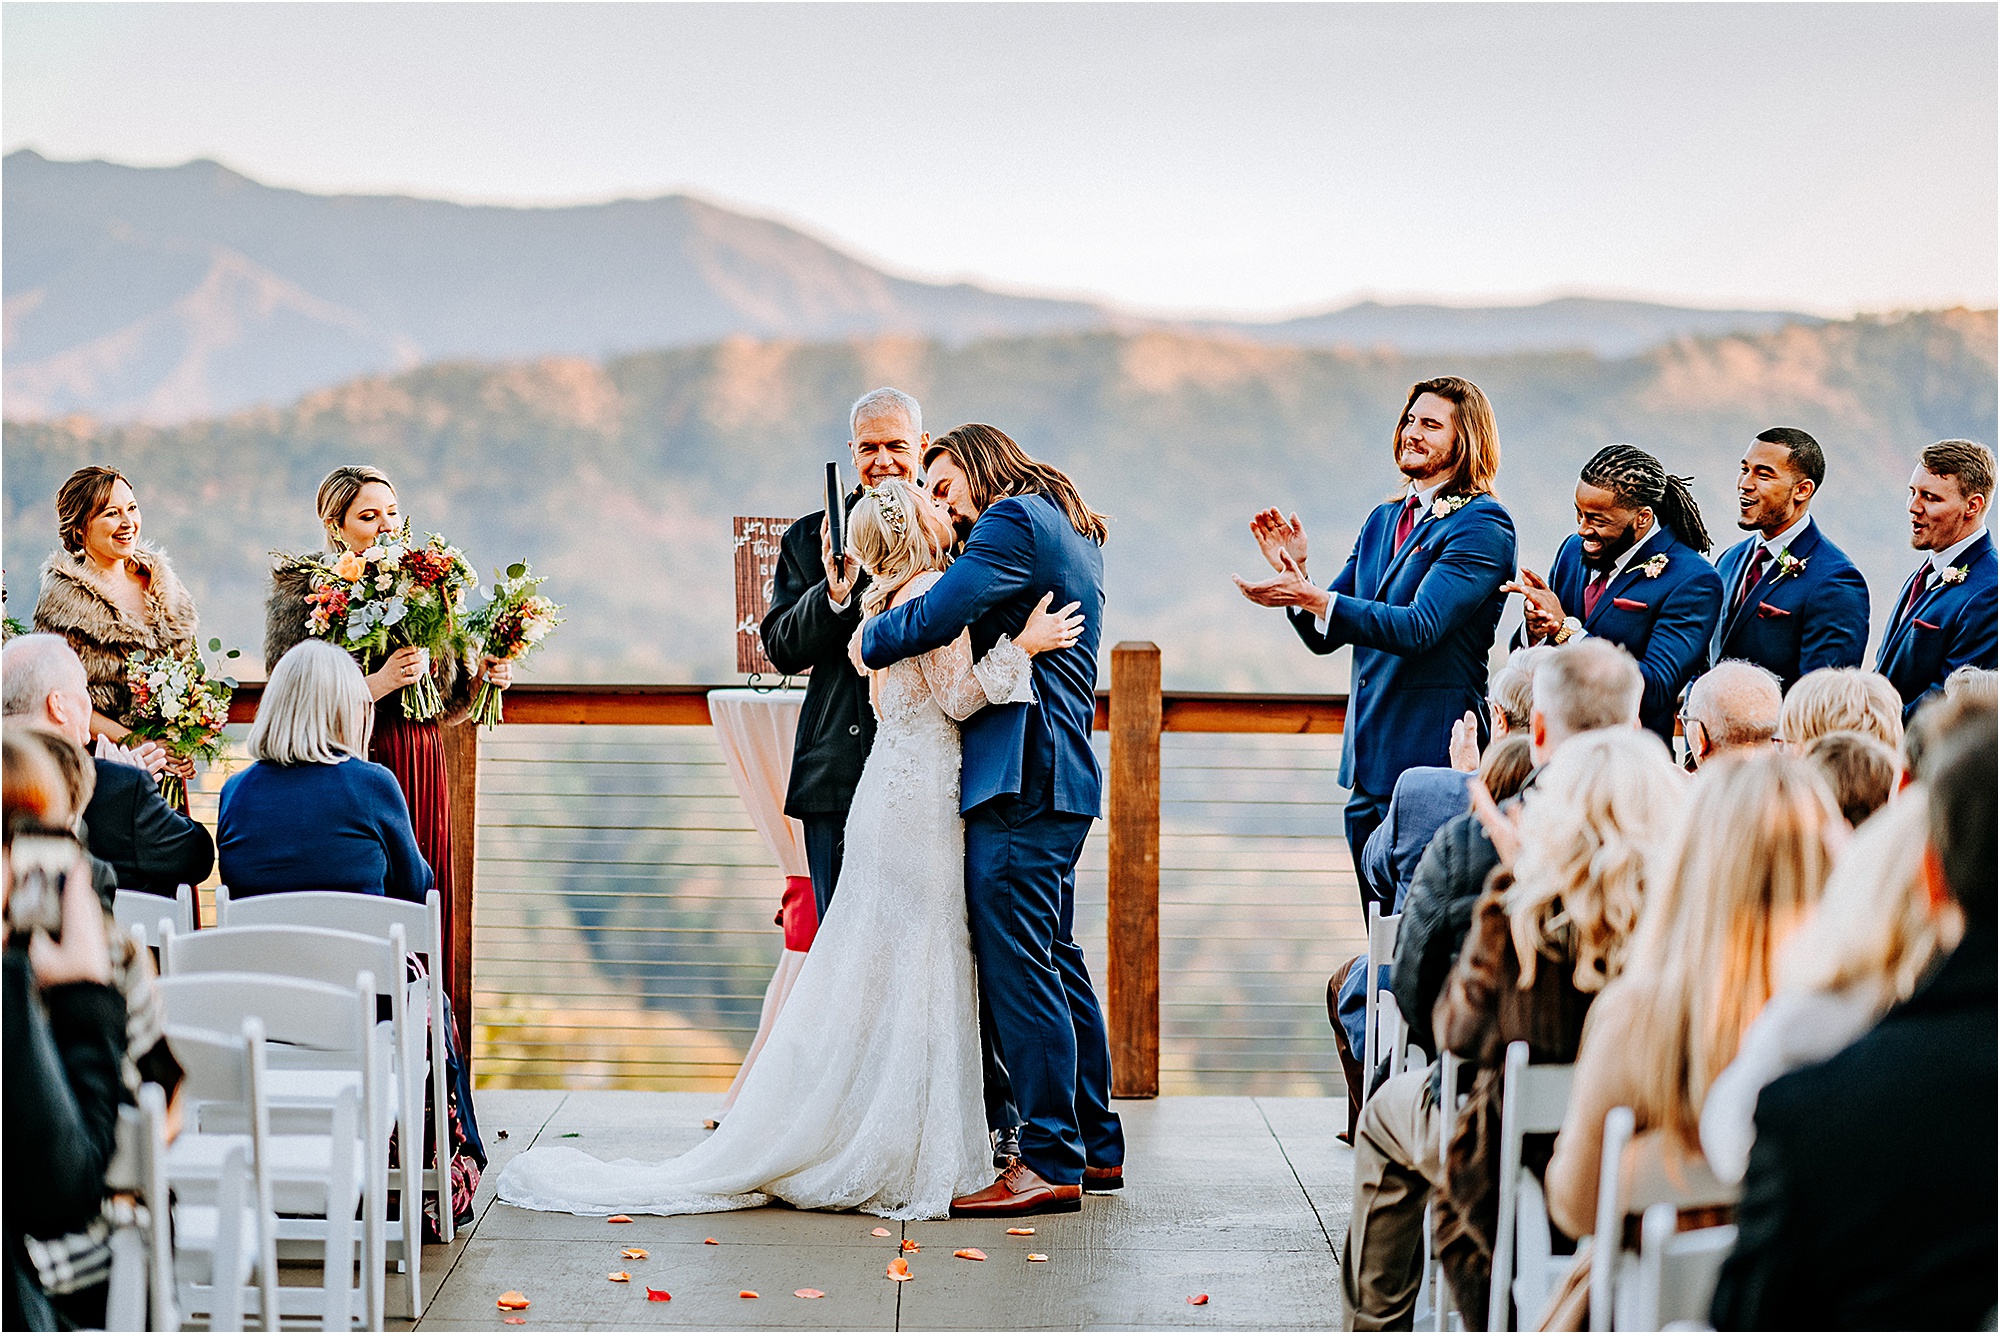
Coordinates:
(171, 294)
(617, 478)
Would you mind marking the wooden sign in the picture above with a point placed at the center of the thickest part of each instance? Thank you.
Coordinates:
(756, 574)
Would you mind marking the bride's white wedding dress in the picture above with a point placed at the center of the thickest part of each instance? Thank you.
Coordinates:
(867, 1094)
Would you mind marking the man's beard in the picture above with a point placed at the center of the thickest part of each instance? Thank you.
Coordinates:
(1608, 555)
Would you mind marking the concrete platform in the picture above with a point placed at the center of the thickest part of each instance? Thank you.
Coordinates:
(1240, 1198)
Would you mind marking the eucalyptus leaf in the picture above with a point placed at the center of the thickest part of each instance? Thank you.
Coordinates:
(516, 570)
(215, 646)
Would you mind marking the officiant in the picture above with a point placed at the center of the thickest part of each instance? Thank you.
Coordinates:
(815, 607)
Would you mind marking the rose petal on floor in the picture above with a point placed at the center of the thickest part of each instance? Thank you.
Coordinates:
(514, 1320)
(710, 1241)
(1036, 1259)
(632, 1253)
(1020, 1232)
(909, 1245)
(619, 1218)
(746, 1293)
(620, 1277)
(880, 1232)
(808, 1293)
(656, 1295)
(512, 1301)
(899, 1270)
(1199, 1299)
(969, 1253)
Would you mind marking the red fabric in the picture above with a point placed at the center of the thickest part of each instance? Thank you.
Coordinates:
(799, 914)
(1406, 521)
(414, 752)
(1753, 572)
(1917, 590)
(1594, 590)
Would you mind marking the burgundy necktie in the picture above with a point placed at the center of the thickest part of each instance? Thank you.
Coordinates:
(1917, 587)
(1594, 590)
(1406, 522)
(1755, 571)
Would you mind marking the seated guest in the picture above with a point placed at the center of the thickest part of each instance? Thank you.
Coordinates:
(1967, 689)
(1731, 706)
(1841, 699)
(1550, 930)
(1580, 689)
(147, 844)
(311, 813)
(1861, 771)
(65, 1039)
(1868, 1203)
(1503, 769)
(1748, 868)
(1875, 938)
(1945, 613)
(1510, 697)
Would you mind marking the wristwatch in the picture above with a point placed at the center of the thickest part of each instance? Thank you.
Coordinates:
(1571, 627)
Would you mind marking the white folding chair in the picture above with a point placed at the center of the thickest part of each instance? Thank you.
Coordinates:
(222, 1219)
(1385, 1031)
(1533, 1101)
(160, 1281)
(136, 909)
(126, 1174)
(373, 915)
(1673, 1274)
(1448, 1101)
(328, 956)
(323, 1154)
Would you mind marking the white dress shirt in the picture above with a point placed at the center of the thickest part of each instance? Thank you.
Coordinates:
(1424, 499)
(1944, 560)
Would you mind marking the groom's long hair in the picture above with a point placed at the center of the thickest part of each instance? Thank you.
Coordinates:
(995, 468)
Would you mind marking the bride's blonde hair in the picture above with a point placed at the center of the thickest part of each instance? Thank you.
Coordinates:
(890, 542)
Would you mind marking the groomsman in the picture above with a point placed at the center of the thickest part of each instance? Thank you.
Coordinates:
(1419, 597)
(815, 607)
(1795, 602)
(1944, 618)
(1635, 573)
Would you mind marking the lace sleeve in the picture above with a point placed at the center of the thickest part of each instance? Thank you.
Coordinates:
(963, 687)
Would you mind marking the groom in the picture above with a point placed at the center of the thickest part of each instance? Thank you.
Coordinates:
(1029, 790)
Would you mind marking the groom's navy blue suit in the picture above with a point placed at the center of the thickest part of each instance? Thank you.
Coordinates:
(1029, 788)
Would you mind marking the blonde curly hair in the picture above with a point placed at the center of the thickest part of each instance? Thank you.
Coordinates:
(892, 542)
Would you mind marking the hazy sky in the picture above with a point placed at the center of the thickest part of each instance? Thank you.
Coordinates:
(1243, 158)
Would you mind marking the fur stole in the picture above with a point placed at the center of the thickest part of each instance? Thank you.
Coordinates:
(285, 626)
(76, 603)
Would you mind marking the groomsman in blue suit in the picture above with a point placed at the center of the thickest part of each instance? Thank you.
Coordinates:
(1635, 572)
(1419, 597)
(1795, 602)
(1944, 618)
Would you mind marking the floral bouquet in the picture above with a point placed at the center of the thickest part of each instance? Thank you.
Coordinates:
(178, 704)
(396, 594)
(510, 626)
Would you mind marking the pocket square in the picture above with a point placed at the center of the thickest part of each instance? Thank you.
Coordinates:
(1767, 611)
(1923, 624)
(1627, 604)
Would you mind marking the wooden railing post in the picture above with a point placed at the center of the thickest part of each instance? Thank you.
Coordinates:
(1133, 945)
(461, 766)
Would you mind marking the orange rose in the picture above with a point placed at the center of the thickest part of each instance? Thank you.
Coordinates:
(350, 567)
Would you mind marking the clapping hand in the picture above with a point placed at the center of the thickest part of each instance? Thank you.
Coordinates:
(1503, 827)
(1288, 588)
(1275, 533)
(148, 755)
(1543, 608)
(81, 955)
(1465, 744)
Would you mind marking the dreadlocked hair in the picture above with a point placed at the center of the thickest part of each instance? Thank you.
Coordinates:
(995, 468)
(1640, 481)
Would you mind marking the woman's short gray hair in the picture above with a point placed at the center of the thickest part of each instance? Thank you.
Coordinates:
(315, 709)
(881, 402)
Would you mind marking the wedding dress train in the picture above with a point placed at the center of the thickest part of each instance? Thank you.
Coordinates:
(867, 1094)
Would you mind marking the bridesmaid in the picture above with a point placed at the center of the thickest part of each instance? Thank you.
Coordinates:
(356, 506)
(110, 595)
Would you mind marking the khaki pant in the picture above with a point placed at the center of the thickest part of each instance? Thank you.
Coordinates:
(1396, 1162)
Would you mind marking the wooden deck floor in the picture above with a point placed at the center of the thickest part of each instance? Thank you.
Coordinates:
(1242, 1199)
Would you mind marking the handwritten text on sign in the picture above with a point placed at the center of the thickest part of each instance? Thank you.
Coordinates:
(756, 573)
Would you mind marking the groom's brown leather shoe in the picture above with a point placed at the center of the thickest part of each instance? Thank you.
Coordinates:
(1020, 1190)
(1097, 1179)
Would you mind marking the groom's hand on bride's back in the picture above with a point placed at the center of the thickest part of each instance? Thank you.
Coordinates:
(854, 648)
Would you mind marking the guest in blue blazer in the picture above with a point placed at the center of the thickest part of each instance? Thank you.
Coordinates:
(312, 813)
(1944, 617)
(1633, 573)
(1419, 597)
(1793, 600)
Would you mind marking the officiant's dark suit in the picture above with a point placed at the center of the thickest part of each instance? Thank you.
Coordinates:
(1421, 618)
(1790, 624)
(803, 631)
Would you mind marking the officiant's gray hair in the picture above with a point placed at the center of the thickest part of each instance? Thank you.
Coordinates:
(880, 402)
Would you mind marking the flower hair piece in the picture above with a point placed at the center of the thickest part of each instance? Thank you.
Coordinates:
(892, 509)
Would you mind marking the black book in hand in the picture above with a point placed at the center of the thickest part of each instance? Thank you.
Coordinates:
(836, 512)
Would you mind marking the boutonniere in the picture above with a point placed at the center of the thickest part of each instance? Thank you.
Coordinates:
(1655, 567)
(1955, 574)
(1446, 506)
(1788, 564)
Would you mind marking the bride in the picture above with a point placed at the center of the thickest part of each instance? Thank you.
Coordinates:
(867, 1094)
